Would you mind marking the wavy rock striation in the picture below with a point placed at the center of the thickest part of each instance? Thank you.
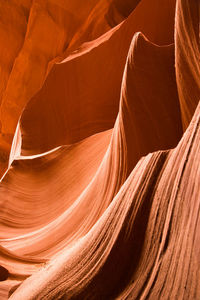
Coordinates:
(100, 151)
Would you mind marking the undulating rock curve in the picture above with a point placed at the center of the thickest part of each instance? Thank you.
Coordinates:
(100, 150)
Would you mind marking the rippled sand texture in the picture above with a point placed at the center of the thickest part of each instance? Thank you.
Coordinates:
(100, 149)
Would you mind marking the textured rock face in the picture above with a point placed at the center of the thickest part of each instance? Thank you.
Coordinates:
(100, 149)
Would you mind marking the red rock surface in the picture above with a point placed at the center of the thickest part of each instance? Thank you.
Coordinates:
(99, 149)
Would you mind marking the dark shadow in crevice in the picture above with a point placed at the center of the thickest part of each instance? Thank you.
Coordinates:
(3, 273)
(122, 8)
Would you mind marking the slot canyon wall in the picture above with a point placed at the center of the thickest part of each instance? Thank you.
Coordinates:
(99, 149)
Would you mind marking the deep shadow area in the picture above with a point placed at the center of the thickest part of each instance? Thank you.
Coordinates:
(122, 8)
(3, 273)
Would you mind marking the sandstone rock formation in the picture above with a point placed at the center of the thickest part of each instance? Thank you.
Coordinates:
(100, 149)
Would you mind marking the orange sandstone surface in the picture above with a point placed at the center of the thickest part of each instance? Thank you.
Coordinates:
(100, 149)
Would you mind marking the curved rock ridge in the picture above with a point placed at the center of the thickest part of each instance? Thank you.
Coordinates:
(138, 239)
(127, 145)
(31, 186)
(150, 116)
(37, 40)
(100, 150)
(14, 16)
(78, 98)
